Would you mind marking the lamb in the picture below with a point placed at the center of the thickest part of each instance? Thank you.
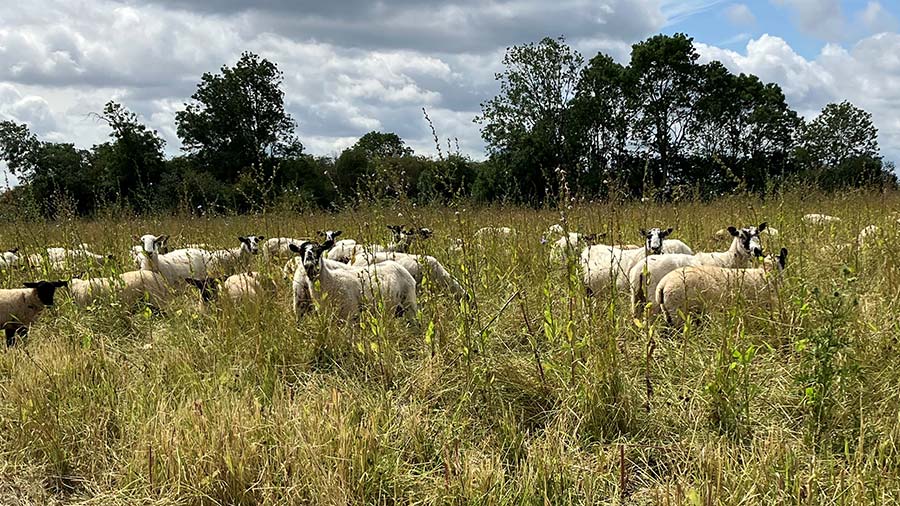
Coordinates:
(279, 247)
(417, 266)
(350, 287)
(19, 307)
(565, 246)
(603, 264)
(645, 276)
(820, 219)
(9, 258)
(129, 288)
(691, 290)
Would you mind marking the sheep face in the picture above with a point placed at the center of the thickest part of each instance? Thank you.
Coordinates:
(749, 239)
(251, 242)
(154, 244)
(329, 235)
(46, 289)
(396, 232)
(424, 232)
(655, 238)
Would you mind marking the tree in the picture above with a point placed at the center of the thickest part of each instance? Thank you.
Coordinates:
(524, 123)
(840, 133)
(664, 77)
(18, 148)
(237, 119)
(382, 145)
(134, 160)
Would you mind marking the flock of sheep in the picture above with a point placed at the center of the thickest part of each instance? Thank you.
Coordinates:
(663, 275)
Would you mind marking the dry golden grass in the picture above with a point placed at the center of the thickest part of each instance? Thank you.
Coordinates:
(532, 393)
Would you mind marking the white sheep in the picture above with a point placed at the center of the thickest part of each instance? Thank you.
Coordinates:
(238, 288)
(645, 276)
(279, 247)
(346, 250)
(418, 266)
(691, 290)
(9, 258)
(230, 261)
(496, 232)
(820, 219)
(603, 265)
(129, 287)
(868, 236)
(567, 245)
(19, 307)
(350, 287)
(64, 258)
(176, 265)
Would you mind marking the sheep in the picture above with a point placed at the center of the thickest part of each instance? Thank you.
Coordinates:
(645, 276)
(129, 288)
(602, 264)
(691, 290)
(345, 251)
(19, 307)
(63, 258)
(243, 287)
(349, 287)
(176, 265)
(868, 236)
(9, 258)
(497, 232)
(417, 266)
(230, 261)
(820, 219)
(137, 252)
(566, 245)
(278, 247)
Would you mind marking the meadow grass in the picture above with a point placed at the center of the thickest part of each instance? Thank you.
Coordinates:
(530, 392)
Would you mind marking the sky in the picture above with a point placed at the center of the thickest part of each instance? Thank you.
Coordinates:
(353, 66)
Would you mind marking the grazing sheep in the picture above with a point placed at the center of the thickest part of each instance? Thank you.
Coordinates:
(64, 258)
(691, 290)
(603, 264)
(348, 288)
(9, 258)
(346, 250)
(129, 288)
(567, 245)
(645, 276)
(279, 247)
(820, 219)
(19, 307)
(417, 266)
(238, 288)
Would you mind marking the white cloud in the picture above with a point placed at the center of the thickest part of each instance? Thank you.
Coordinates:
(877, 19)
(823, 19)
(867, 74)
(740, 15)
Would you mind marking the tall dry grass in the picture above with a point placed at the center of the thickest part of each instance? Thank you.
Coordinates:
(530, 392)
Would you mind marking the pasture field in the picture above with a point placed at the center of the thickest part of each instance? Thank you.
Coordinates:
(529, 393)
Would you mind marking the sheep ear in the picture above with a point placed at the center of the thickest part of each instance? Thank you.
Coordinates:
(782, 257)
(733, 231)
(243, 239)
(665, 233)
(296, 249)
(762, 226)
(643, 233)
(336, 233)
(260, 238)
(319, 233)
(14, 251)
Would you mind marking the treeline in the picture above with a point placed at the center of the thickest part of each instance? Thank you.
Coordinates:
(663, 126)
